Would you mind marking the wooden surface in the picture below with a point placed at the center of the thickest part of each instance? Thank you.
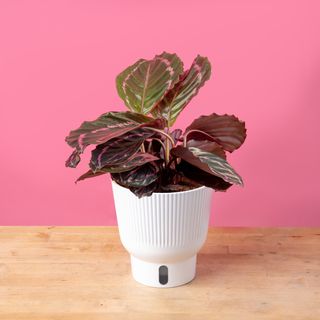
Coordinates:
(66, 273)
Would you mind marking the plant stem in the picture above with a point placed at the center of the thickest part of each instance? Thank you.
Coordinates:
(142, 147)
(167, 152)
(210, 138)
(167, 145)
(163, 133)
(185, 140)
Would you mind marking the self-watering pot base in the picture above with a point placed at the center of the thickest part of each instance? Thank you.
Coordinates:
(165, 275)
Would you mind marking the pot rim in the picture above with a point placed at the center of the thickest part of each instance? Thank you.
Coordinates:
(175, 192)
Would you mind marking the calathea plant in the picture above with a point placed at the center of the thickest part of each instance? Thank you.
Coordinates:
(138, 147)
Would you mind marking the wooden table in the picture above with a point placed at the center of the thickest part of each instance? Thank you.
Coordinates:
(66, 273)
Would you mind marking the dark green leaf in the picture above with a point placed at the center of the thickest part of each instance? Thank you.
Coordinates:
(145, 191)
(90, 174)
(73, 160)
(139, 177)
(137, 160)
(176, 187)
(108, 126)
(226, 130)
(176, 181)
(209, 163)
(180, 95)
(203, 178)
(143, 85)
(119, 149)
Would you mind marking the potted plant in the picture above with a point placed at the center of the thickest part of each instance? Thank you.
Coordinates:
(162, 179)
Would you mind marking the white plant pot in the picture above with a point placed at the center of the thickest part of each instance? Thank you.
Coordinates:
(163, 233)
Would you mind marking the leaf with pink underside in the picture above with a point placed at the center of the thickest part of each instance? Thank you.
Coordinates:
(226, 130)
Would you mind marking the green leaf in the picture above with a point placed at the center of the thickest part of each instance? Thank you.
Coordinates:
(226, 130)
(209, 163)
(119, 149)
(108, 126)
(137, 160)
(202, 177)
(178, 187)
(73, 160)
(90, 174)
(139, 177)
(145, 191)
(180, 95)
(176, 182)
(144, 84)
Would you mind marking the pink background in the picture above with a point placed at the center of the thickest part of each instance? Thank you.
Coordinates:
(58, 63)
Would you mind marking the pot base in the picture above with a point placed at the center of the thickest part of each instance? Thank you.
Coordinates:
(164, 275)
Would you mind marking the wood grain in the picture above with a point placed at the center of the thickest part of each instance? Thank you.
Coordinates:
(68, 273)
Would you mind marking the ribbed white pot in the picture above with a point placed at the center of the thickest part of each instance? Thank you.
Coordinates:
(163, 233)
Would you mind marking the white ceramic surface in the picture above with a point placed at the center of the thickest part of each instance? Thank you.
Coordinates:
(163, 233)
